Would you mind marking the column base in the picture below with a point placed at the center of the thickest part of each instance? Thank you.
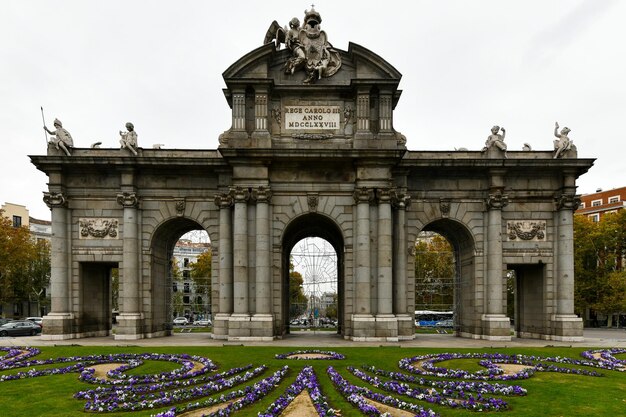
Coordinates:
(363, 327)
(130, 326)
(58, 326)
(496, 327)
(387, 327)
(567, 328)
(220, 326)
(406, 327)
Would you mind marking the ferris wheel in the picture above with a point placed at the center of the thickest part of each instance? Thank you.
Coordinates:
(316, 260)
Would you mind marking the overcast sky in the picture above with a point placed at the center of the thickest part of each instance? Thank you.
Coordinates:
(466, 66)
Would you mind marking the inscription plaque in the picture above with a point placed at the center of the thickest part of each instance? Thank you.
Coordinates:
(312, 117)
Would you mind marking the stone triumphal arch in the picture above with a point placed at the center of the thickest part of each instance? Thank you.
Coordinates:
(312, 151)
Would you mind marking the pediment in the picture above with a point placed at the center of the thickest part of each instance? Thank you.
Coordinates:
(266, 64)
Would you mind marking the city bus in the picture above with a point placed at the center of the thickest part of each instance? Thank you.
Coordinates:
(430, 318)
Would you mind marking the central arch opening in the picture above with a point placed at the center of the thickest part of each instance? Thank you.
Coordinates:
(313, 259)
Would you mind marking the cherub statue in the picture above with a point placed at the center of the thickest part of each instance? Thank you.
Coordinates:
(563, 143)
(129, 138)
(496, 139)
(62, 138)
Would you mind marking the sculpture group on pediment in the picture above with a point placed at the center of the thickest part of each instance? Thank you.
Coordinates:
(309, 46)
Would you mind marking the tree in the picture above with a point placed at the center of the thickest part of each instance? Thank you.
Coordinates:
(435, 270)
(201, 276)
(297, 300)
(599, 253)
(39, 272)
(177, 296)
(19, 257)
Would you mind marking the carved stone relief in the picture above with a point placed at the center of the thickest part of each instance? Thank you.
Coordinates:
(98, 228)
(528, 230)
(312, 200)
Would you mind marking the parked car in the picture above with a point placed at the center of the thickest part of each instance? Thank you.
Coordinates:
(20, 328)
(4, 321)
(37, 320)
(203, 322)
(181, 321)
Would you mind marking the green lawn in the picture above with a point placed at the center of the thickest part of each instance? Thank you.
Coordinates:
(548, 394)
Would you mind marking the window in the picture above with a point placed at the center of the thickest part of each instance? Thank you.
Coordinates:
(595, 217)
(596, 203)
(17, 221)
(185, 299)
(582, 205)
(186, 263)
(175, 287)
(614, 199)
(185, 274)
(187, 288)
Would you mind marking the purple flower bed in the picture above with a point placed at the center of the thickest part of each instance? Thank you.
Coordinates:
(465, 386)
(358, 396)
(131, 400)
(491, 361)
(306, 380)
(246, 395)
(448, 397)
(329, 355)
(607, 359)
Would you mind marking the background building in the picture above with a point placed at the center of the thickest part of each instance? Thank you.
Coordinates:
(195, 301)
(596, 204)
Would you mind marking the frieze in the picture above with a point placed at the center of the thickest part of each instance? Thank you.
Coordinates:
(98, 228)
(528, 230)
(312, 136)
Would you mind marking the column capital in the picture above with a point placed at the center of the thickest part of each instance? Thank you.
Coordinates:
(567, 202)
(400, 201)
(497, 201)
(239, 194)
(55, 200)
(128, 200)
(384, 195)
(363, 195)
(262, 194)
(223, 200)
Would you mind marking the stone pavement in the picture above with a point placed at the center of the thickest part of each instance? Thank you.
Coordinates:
(593, 338)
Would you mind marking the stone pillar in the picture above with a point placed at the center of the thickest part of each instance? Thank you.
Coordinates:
(362, 321)
(220, 321)
(261, 322)
(130, 318)
(58, 323)
(239, 111)
(385, 112)
(567, 326)
(406, 327)
(496, 326)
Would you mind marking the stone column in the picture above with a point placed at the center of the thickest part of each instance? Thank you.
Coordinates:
(496, 326)
(130, 318)
(363, 323)
(58, 323)
(406, 328)
(385, 253)
(240, 251)
(262, 321)
(567, 326)
(263, 295)
(220, 321)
